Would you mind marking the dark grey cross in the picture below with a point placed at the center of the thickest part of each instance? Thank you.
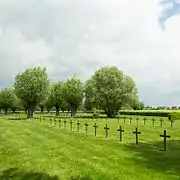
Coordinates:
(136, 132)
(78, 124)
(145, 120)
(106, 130)
(161, 122)
(124, 119)
(165, 136)
(59, 123)
(130, 120)
(71, 122)
(95, 129)
(120, 133)
(137, 120)
(86, 126)
(171, 122)
(55, 122)
(153, 120)
(65, 124)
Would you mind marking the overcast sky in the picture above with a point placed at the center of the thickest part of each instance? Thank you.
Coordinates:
(76, 37)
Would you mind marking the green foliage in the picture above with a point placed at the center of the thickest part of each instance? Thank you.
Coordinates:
(73, 94)
(110, 90)
(7, 99)
(56, 95)
(31, 87)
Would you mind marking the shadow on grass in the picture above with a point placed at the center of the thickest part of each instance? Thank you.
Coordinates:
(151, 155)
(15, 174)
(17, 119)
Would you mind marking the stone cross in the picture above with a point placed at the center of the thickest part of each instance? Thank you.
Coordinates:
(153, 120)
(120, 133)
(130, 120)
(137, 120)
(136, 133)
(95, 129)
(145, 120)
(161, 122)
(171, 122)
(165, 136)
(65, 124)
(86, 126)
(78, 124)
(59, 123)
(106, 130)
(71, 122)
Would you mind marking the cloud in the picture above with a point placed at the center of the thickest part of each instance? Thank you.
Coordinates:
(169, 9)
(78, 37)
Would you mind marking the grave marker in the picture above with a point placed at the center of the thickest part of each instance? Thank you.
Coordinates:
(145, 119)
(153, 120)
(161, 122)
(44, 119)
(95, 129)
(171, 122)
(86, 126)
(50, 121)
(65, 124)
(59, 123)
(55, 122)
(120, 133)
(78, 124)
(71, 122)
(124, 119)
(137, 120)
(130, 120)
(136, 132)
(106, 130)
(165, 136)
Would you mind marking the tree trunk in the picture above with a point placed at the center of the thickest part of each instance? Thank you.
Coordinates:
(111, 113)
(5, 111)
(30, 112)
(42, 109)
(73, 111)
(13, 110)
(57, 110)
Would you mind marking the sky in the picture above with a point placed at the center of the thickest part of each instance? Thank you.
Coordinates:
(77, 37)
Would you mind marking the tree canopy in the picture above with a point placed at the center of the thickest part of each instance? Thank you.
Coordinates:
(31, 87)
(110, 90)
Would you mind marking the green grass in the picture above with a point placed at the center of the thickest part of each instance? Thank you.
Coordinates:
(37, 150)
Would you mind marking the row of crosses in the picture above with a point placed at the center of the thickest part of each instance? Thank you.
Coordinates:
(106, 128)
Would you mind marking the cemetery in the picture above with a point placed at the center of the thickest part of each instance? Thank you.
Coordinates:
(84, 130)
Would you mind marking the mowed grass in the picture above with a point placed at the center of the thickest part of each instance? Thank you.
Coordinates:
(34, 150)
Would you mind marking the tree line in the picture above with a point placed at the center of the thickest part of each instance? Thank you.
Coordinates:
(108, 89)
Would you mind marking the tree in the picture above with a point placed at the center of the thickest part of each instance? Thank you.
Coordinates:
(73, 94)
(111, 90)
(56, 96)
(7, 98)
(31, 87)
(89, 90)
(17, 104)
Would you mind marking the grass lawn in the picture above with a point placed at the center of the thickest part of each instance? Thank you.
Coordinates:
(42, 151)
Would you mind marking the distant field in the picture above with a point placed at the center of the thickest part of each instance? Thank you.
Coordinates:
(40, 150)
